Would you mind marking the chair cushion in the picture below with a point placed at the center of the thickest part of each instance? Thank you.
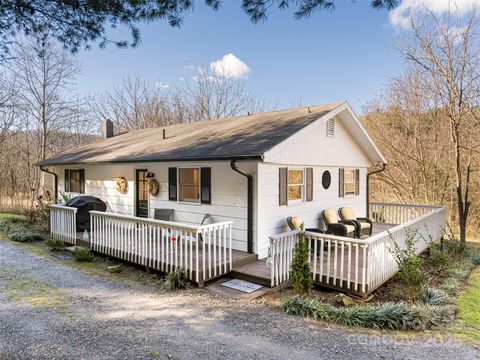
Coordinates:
(350, 228)
(348, 213)
(296, 223)
(330, 216)
(364, 225)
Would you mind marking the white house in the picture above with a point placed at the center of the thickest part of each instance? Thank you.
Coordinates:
(203, 168)
(249, 173)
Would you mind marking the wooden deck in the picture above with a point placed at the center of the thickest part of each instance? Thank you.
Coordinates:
(257, 271)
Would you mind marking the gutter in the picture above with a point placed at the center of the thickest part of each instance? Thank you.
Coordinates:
(249, 177)
(384, 167)
(55, 179)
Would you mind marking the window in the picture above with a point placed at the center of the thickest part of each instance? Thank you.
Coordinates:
(189, 185)
(350, 182)
(330, 127)
(75, 180)
(296, 184)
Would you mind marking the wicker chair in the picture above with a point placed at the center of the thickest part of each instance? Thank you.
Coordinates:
(336, 227)
(363, 226)
(296, 223)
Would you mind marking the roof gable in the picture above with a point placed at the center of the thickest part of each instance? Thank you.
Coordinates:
(351, 145)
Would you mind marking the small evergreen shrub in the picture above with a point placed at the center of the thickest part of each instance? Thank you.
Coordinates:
(176, 280)
(55, 244)
(300, 272)
(82, 254)
(396, 316)
(409, 264)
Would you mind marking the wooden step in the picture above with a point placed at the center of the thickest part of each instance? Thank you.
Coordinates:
(241, 258)
(255, 272)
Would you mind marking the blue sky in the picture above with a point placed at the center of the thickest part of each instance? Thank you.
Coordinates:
(346, 54)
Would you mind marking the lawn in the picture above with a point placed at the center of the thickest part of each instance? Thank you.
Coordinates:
(469, 310)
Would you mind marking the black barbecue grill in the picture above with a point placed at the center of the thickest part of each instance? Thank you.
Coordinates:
(85, 203)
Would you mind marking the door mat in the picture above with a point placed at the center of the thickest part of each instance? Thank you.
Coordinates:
(242, 285)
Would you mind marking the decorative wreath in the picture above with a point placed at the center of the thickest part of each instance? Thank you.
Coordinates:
(153, 187)
(122, 185)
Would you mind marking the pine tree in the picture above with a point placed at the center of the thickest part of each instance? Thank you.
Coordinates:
(300, 272)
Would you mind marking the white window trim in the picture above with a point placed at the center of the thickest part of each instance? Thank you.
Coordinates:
(352, 194)
(199, 185)
(303, 185)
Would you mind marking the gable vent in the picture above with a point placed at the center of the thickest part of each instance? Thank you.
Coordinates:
(331, 127)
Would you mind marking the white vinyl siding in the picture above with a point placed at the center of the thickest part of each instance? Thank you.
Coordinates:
(272, 217)
(228, 193)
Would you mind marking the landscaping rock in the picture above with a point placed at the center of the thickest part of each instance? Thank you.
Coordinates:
(344, 300)
(72, 248)
(115, 269)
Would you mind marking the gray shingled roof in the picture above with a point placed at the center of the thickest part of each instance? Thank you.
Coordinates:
(235, 137)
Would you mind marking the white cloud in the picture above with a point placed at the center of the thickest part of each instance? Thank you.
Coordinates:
(230, 66)
(401, 15)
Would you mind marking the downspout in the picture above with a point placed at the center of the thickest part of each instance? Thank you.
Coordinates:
(249, 177)
(55, 180)
(384, 167)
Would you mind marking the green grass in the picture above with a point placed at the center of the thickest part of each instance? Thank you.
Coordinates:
(469, 310)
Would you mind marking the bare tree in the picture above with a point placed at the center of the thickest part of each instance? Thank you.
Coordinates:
(438, 111)
(211, 95)
(44, 75)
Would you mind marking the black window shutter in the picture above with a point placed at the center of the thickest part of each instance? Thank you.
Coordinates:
(206, 191)
(172, 183)
(283, 188)
(357, 181)
(82, 181)
(67, 180)
(309, 195)
(341, 183)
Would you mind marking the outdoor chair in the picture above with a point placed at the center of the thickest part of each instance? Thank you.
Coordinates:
(336, 227)
(296, 223)
(362, 225)
(163, 214)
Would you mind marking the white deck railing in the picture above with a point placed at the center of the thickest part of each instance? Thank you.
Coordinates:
(353, 264)
(63, 225)
(204, 251)
(390, 213)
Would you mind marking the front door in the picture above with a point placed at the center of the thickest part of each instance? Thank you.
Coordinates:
(141, 193)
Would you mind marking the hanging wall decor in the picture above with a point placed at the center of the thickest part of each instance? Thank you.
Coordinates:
(122, 185)
(153, 186)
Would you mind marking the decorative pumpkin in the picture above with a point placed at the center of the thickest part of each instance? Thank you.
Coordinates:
(122, 185)
(153, 186)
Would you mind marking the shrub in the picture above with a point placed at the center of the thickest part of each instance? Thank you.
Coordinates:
(397, 316)
(433, 296)
(82, 254)
(25, 236)
(55, 244)
(16, 231)
(300, 272)
(175, 280)
(438, 258)
(410, 264)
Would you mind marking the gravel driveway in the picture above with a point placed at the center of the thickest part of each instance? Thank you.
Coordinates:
(50, 311)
